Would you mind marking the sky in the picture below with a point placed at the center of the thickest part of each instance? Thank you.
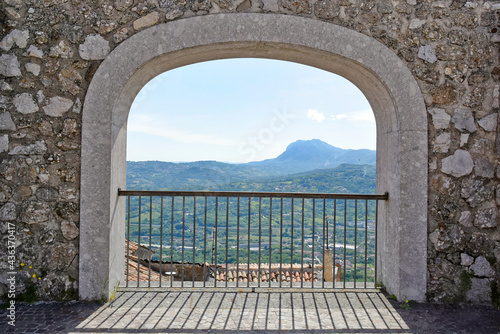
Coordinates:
(241, 110)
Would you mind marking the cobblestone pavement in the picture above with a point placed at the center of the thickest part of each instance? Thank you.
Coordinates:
(216, 312)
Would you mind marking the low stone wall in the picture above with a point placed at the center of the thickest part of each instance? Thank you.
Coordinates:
(51, 49)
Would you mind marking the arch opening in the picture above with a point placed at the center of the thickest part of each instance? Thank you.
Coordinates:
(381, 76)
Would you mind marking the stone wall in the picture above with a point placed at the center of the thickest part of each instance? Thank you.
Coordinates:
(51, 49)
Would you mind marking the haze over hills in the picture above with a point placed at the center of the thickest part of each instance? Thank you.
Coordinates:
(306, 166)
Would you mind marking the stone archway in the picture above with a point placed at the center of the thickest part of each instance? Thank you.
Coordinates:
(384, 79)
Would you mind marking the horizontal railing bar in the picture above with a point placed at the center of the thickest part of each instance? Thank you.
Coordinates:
(249, 194)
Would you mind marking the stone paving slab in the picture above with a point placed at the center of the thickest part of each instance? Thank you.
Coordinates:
(246, 312)
(215, 312)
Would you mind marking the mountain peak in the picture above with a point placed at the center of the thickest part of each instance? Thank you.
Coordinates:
(313, 150)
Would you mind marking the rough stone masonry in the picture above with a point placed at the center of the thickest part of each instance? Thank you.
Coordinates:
(51, 49)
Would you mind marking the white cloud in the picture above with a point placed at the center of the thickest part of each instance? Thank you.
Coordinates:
(315, 115)
(357, 116)
(146, 125)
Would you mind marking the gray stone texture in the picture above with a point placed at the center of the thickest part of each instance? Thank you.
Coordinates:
(6, 122)
(421, 65)
(38, 147)
(458, 164)
(58, 106)
(25, 104)
(17, 37)
(427, 53)
(95, 47)
(9, 65)
(33, 68)
(489, 123)
(8, 212)
(69, 230)
(440, 118)
(33, 52)
(466, 260)
(480, 291)
(463, 120)
(482, 268)
(4, 143)
(486, 218)
(442, 143)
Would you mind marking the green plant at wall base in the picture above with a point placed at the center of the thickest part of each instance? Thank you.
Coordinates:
(492, 260)
(392, 297)
(405, 305)
(465, 284)
(29, 295)
(113, 293)
(32, 278)
(495, 294)
(70, 294)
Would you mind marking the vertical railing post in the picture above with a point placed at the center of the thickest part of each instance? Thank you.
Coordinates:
(281, 242)
(172, 243)
(194, 239)
(215, 238)
(205, 244)
(302, 248)
(238, 242)
(227, 240)
(150, 235)
(270, 237)
(345, 239)
(248, 237)
(128, 240)
(366, 238)
(313, 235)
(291, 245)
(161, 239)
(139, 243)
(355, 240)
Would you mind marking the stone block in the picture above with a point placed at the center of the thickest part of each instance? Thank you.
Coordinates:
(466, 260)
(8, 212)
(25, 104)
(484, 168)
(69, 230)
(95, 47)
(57, 106)
(18, 37)
(482, 268)
(486, 218)
(463, 120)
(480, 291)
(427, 53)
(459, 164)
(38, 147)
(489, 123)
(6, 122)
(440, 119)
(4, 143)
(9, 66)
(442, 143)
(147, 21)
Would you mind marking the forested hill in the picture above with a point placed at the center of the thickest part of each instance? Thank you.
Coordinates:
(345, 178)
(305, 166)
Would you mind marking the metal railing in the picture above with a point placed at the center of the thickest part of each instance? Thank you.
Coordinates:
(250, 239)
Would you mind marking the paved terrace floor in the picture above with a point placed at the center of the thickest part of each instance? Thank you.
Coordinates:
(247, 312)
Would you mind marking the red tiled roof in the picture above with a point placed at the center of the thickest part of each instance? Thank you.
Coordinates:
(242, 273)
(132, 265)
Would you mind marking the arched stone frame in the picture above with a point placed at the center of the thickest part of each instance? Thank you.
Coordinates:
(385, 80)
